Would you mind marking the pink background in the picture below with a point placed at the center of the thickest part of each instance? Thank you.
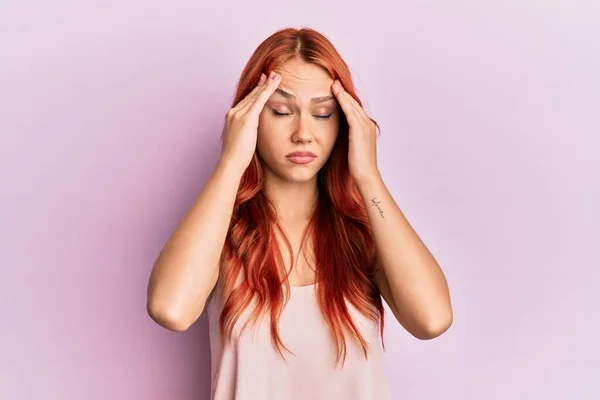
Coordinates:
(110, 116)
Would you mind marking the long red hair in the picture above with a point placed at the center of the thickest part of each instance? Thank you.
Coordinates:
(251, 262)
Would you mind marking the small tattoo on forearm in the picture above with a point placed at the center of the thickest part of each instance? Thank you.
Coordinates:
(376, 203)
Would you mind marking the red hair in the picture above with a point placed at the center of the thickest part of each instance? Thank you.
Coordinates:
(251, 262)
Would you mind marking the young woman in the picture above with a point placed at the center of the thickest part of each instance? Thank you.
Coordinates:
(294, 240)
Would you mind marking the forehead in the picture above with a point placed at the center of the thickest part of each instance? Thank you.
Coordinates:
(304, 80)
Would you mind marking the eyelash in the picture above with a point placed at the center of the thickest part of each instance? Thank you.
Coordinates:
(278, 114)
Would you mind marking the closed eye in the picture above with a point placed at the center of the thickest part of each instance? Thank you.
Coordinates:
(278, 114)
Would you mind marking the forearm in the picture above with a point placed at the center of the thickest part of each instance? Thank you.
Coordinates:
(186, 269)
(417, 283)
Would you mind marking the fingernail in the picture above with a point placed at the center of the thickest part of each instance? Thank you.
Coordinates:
(262, 78)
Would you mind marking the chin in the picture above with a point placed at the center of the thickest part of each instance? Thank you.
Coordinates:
(300, 176)
(296, 174)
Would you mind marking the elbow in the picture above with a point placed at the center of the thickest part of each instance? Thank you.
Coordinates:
(169, 317)
(435, 327)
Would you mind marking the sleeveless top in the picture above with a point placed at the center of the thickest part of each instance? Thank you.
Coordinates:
(250, 368)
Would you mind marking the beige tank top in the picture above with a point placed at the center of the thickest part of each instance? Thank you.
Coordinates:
(250, 368)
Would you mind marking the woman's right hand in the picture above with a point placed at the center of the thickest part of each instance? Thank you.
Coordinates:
(241, 123)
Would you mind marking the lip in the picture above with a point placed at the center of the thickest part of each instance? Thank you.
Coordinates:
(301, 157)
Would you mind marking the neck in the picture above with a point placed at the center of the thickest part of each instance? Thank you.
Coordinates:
(294, 201)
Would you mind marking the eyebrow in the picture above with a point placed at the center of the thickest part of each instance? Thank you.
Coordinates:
(316, 100)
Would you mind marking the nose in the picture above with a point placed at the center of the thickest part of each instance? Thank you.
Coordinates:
(302, 132)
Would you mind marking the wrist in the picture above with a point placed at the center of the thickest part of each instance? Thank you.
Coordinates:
(229, 168)
(368, 180)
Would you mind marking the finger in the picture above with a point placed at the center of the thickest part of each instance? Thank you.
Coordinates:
(265, 93)
(349, 105)
(343, 97)
(262, 79)
(250, 96)
(346, 102)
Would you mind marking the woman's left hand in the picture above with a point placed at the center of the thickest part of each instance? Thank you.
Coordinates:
(362, 151)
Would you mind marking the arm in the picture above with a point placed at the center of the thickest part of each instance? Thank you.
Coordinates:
(187, 268)
(409, 278)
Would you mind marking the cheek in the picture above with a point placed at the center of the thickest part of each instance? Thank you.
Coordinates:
(330, 134)
(264, 127)
(267, 140)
